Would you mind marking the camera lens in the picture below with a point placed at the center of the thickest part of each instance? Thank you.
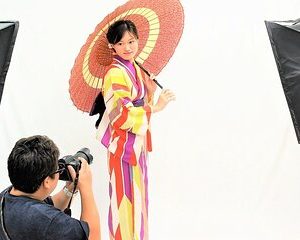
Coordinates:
(73, 161)
(85, 154)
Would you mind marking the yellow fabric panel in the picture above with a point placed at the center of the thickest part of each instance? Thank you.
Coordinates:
(125, 217)
(137, 176)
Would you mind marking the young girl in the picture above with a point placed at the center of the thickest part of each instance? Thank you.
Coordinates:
(125, 131)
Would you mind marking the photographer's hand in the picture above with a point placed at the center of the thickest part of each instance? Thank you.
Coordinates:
(85, 175)
(62, 198)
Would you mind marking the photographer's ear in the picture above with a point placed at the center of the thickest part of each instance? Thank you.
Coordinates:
(47, 183)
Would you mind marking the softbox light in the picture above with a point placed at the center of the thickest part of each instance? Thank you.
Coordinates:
(8, 34)
(285, 41)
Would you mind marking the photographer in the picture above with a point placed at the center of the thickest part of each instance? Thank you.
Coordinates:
(28, 211)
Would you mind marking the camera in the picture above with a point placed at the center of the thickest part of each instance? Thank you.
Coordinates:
(73, 161)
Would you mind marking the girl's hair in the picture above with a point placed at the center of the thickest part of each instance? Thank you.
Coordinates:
(117, 30)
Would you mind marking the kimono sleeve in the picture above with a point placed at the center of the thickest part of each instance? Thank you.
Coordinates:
(122, 113)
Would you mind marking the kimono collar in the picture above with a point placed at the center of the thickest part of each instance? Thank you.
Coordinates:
(127, 64)
(134, 72)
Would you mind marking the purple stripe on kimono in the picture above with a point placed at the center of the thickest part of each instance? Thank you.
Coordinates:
(106, 137)
(127, 180)
(128, 146)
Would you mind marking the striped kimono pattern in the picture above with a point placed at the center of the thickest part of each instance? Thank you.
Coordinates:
(125, 131)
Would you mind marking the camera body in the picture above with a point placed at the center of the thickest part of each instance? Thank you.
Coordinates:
(73, 161)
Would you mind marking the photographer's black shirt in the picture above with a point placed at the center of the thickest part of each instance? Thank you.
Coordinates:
(29, 219)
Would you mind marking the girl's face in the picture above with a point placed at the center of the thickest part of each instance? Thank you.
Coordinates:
(127, 47)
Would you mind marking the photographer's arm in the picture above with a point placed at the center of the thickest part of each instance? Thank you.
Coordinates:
(89, 211)
(60, 199)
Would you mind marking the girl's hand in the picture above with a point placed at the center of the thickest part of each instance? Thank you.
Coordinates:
(164, 98)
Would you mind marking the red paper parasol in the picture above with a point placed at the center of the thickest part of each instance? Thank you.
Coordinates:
(160, 26)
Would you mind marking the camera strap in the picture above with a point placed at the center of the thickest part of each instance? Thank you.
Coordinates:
(68, 209)
(3, 232)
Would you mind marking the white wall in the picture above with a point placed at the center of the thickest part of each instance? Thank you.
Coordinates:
(226, 160)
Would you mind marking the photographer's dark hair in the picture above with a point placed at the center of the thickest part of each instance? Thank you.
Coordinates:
(31, 160)
(117, 30)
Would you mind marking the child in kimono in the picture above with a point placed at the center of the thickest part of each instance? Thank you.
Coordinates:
(125, 131)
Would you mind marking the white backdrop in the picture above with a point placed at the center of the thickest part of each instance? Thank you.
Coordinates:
(226, 161)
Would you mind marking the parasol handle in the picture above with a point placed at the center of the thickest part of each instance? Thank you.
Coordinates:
(154, 80)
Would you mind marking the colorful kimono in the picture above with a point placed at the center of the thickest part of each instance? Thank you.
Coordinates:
(125, 131)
